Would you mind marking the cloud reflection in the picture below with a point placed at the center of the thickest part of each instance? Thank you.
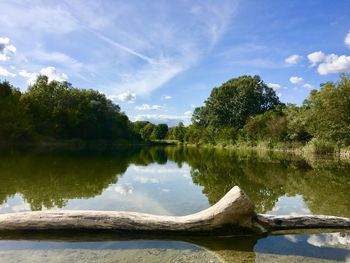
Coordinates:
(340, 240)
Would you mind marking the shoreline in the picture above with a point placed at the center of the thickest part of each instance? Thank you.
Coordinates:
(343, 154)
(104, 145)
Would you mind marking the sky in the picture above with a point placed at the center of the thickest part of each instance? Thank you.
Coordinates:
(160, 59)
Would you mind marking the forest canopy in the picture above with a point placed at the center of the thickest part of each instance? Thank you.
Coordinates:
(242, 111)
(245, 111)
(57, 110)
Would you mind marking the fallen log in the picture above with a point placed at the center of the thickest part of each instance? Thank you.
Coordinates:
(234, 213)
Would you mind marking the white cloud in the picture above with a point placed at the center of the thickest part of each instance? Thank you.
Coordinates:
(274, 86)
(330, 240)
(21, 207)
(153, 48)
(37, 18)
(292, 238)
(4, 72)
(159, 170)
(316, 57)
(31, 76)
(188, 113)
(151, 76)
(308, 86)
(334, 64)
(125, 96)
(56, 57)
(171, 120)
(50, 72)
(167, 97)
(154, 52)
(6, 49)
(146, 179)
(347, 39)
(122, 189)
(147, 107)
(296, 80)
(293, 59)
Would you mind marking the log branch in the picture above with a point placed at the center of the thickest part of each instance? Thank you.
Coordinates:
(234, 213)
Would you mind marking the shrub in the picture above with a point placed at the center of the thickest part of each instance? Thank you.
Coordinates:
(318, 146)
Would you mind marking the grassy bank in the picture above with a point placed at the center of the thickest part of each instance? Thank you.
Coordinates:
(312, 148)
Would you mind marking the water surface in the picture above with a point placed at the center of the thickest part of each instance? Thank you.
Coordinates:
(174, 181)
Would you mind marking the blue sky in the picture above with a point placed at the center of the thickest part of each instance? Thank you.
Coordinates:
(160, 59)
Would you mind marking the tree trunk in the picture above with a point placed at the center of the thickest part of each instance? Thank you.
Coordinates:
(233, 214)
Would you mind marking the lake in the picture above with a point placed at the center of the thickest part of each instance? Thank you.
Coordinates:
(173, 181)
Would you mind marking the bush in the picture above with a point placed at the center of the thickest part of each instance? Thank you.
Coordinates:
(318, 146)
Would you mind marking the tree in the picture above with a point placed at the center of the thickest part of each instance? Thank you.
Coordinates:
(200, 117)
(138, 125)
(238, 99)
(58, 110)
(146, 131)
(177, 133)
(297, 123)
(14, 124)
(327, 112)
(159, 132)
(271, 126)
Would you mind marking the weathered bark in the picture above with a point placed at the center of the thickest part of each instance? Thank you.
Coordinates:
(234, 210)
(234, 213)
(288, 222)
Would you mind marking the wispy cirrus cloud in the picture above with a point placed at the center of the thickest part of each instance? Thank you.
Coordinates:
(56, 57)
(152, 43)
(170, 47)
(26, 17)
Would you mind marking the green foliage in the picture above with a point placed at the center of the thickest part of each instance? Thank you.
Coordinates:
(234, 102)
(177, 133)
(271, 125)
(245, 111)
(318, 146)
(15, 124)
(56, 110)
(138, 125)
(146, 131)
(159, 132)
(328, 112)
(297, 123)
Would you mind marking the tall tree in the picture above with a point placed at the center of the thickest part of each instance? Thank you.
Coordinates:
(14, 124)
(238, 99)
(328, 112)
(159, 132)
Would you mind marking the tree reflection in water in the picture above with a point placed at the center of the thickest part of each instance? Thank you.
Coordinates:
(47, 180)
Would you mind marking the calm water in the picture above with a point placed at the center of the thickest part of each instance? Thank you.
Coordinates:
(173, 181)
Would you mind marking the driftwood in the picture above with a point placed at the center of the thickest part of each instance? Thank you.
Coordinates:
(234, 213)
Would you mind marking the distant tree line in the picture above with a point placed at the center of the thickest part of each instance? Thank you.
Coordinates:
(242, 111)
(56, 110)
(245, 111)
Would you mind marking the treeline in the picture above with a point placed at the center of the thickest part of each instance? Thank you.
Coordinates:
(244, 111)
(57, 111)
